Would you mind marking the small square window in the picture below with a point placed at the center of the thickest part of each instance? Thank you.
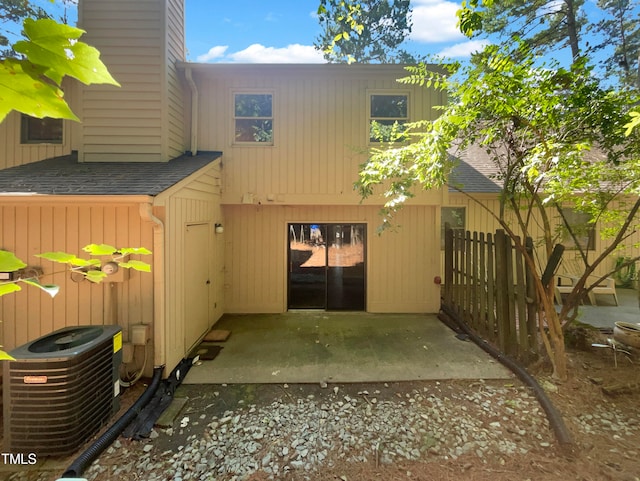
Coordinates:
(453, 217)
(253, 118)
(385, 111)
(40, 131)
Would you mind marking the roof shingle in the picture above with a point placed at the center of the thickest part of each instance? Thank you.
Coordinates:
(66, 176)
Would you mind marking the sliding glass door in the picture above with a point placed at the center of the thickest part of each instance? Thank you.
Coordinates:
(327, 266)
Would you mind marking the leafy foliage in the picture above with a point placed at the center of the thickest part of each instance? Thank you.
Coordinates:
(89, 268)
(52, 51)
(551, 133)
(620, 28)
(13, 13)
(550, 25)
(366, 31)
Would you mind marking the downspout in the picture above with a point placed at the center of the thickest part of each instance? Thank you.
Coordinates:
(194, 111)
(159, 298)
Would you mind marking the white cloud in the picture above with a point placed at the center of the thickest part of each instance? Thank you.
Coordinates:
(213, 53)
(464, 49)
(258, 53)
(434, 21)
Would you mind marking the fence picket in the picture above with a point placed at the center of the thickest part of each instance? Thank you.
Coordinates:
(488, 284)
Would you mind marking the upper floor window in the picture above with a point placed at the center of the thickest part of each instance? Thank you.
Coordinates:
(253, 117)
(40, 131)
(453, 217)
(386, 110)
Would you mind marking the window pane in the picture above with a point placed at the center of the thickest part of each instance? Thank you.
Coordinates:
(45, 130)
(389, 106)
(248, 130)
(253, 105)
(382, 131)
(581, 227)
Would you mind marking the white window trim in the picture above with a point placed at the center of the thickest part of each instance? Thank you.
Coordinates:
(235, 92)
(371, 93)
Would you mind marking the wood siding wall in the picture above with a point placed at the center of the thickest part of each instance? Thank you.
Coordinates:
(195, 202)
(175, 52)
(478, 218)
(401, 265)
(132, 123)
(32, 228)
(320, 123)
(13, 153)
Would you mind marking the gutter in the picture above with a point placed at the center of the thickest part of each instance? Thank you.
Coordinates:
(159, 298)
(194, 110)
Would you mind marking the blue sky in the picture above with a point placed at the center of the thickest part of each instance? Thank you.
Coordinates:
(283, 31)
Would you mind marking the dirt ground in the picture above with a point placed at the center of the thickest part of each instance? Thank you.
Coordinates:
(601, 454)
(598, 455)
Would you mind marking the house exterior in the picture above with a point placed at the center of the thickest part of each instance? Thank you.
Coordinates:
(475, 201)
(239, 179)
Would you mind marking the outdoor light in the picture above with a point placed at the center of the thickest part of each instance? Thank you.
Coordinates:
(219, 229)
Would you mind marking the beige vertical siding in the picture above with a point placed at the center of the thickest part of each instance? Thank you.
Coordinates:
(136, 121)
(29, 228)
(196, 201)
(320, 128)
(400, 265)
(13, 153)
(479, 218)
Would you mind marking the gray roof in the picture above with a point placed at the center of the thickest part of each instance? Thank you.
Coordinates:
(475, 171)
(66, 176)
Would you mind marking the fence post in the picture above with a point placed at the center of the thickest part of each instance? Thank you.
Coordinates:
(532, 304)
(448, 266)
(522, 339)
(502, 290)
(491, 284)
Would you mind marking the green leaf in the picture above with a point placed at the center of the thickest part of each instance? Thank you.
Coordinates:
(9, 262)
(60, 257)
(5, 356)
(55, 46)
(50, 289)
(135, 250)
(100, 249)
(635, 121)
(8, 288)
(136, 265)
(95, 276)
(22, 89)
(65, 258)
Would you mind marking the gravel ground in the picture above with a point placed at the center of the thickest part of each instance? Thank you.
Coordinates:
(306, 430)
(473, 430)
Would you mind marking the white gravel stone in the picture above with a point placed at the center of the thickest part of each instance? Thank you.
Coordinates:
(315, 431)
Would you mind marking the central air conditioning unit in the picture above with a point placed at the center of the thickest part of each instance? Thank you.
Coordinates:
(61, 389)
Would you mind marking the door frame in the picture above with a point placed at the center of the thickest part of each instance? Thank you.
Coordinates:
(327, 224)
(188, 289)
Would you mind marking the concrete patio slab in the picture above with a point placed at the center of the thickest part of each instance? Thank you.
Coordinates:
(318, 346)
(606, 313)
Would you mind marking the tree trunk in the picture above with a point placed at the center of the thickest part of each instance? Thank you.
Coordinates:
(553, 335)
(572, 29)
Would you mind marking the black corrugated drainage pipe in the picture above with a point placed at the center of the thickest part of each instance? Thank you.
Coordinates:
(555, 419)
(92, 452)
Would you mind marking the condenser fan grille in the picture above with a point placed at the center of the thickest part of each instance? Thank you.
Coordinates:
(52, 406)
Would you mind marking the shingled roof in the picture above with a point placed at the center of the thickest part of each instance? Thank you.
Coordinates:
(475, 171)
(66, 176)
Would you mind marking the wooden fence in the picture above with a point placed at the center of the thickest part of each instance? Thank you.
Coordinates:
(489, 287)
